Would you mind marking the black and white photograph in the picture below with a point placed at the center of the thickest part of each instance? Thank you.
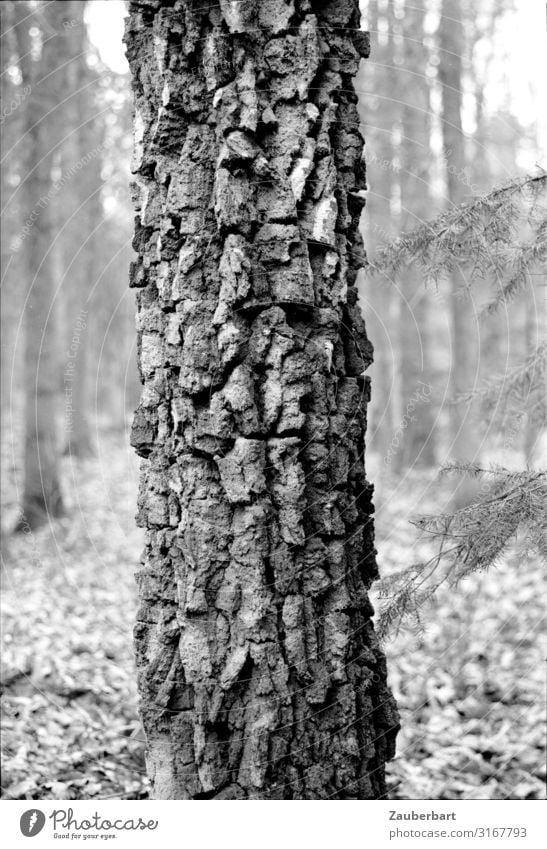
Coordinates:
(273, 408)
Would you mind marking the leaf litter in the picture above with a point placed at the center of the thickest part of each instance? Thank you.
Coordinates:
(470, 684)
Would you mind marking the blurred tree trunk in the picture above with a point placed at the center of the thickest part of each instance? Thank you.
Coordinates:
(415, 325)
(47, 80)
(484, 36)
(83, 214)
(378, 111)
(11, 99)
(463, 440)
(534, 325)
(13, 95)
(259, 671)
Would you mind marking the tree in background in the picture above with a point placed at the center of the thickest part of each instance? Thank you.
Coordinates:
(423, 64)
(259, 671)
(378, 112)
(13, 96)
(46, 78)
(451, 43)
(114, 377)
(82, 352)
(397, 115)
(81, 224)
(416, 356)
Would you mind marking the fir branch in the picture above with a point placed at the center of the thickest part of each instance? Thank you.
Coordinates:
(482, 230)
(471, 539)
(522, 260)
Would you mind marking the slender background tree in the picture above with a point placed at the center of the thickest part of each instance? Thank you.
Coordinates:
(82, 223)
(46, 77)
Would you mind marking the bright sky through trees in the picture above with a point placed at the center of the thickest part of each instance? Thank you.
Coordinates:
(518, 76)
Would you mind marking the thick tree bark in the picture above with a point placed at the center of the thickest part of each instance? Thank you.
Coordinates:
(259, 671)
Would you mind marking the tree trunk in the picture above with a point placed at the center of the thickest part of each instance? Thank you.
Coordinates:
(534, 322)
(42, 491)
(259, 671)
(462, 432)
(13, 96)
(415, 324)
(82, 212)
(378, 118)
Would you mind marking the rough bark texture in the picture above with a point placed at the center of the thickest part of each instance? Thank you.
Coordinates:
(259, 671)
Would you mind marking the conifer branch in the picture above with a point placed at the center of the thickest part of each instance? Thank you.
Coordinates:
(482, 231)
(471, 539)
(485, 236)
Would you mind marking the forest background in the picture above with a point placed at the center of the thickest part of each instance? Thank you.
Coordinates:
(469, 679)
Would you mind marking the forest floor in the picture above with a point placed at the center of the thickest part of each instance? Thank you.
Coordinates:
(470, 687)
